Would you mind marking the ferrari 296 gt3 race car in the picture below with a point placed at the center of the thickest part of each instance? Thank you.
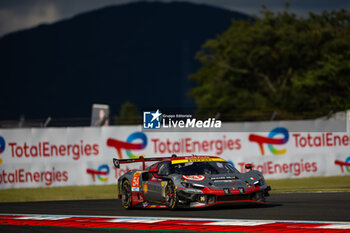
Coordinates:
(188, 182)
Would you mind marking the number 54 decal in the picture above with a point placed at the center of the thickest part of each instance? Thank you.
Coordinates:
(135, 185)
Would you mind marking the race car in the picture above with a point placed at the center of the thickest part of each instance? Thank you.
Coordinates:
(188, 182)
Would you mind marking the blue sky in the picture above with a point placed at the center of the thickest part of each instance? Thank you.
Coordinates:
(22, 14)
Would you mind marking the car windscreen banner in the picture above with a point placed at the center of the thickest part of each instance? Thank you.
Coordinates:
(48, 157)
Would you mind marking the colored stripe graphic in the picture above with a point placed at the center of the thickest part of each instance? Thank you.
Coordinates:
(270, 141)
(173, 224)
(128, 145)
(341, 164)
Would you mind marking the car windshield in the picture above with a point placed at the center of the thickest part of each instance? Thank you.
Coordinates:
(204, 168)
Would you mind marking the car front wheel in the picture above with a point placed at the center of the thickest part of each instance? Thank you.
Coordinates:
(258, 196)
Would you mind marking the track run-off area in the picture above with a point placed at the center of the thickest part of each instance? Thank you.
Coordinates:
(297, 212)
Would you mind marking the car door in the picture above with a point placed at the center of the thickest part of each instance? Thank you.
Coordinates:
(152, 188)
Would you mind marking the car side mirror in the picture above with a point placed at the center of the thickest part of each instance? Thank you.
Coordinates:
(153, 170)
(248, 166)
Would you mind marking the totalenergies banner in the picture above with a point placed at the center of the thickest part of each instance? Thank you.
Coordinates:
(83, 156)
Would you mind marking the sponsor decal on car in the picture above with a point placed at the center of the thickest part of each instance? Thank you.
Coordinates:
(241, 190)
(135, 185)
(194, 177)
(193, 160)
(223, 178)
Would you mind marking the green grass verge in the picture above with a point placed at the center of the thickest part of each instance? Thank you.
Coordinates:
(59, 193)
(314, 184)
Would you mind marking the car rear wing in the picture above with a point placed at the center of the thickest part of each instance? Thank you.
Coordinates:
(142, 159)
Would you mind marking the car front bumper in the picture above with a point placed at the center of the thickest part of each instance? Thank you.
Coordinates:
(209, 196)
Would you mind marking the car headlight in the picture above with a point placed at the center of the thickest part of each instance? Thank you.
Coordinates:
(259, 182)
(198, 186)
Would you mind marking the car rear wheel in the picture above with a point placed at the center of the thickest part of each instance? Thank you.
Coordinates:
(126, 196)
(171, 198)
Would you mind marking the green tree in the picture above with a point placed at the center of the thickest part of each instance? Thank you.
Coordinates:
(128, 115)
(276, 62)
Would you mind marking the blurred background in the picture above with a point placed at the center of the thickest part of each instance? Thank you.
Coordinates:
(230, 59)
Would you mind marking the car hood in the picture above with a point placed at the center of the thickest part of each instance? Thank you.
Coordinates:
(224, 180)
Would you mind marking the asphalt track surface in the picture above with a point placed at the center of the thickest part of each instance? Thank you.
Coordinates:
(298, 206)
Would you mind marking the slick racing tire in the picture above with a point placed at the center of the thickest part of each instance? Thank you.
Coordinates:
(171, 198)
(126, 196)
(258, 196)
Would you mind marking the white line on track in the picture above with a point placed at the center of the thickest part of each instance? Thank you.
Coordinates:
(144, 219)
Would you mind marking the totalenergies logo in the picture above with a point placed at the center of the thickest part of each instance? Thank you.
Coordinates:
(128, 145)
(101, 173)
(270, 140)
(342, 164)
(2, 146)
